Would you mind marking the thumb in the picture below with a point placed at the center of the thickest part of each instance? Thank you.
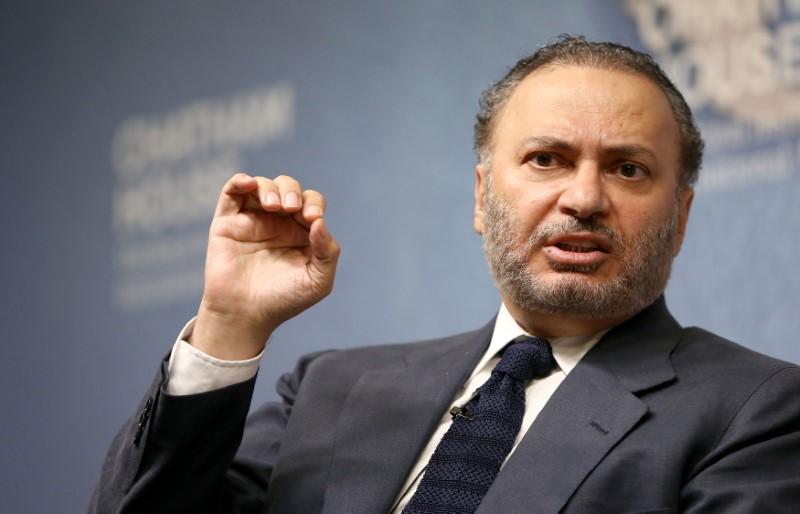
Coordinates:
(324, 249)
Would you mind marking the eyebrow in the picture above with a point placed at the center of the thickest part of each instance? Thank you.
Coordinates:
(554, 143)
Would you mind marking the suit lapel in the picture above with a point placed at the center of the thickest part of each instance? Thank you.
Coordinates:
(591, 411)
(389, 416)
(586, 416)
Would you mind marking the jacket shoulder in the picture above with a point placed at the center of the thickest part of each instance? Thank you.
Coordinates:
(715, 352)
(718, 377)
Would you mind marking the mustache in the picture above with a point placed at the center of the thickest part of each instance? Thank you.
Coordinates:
(569, 226)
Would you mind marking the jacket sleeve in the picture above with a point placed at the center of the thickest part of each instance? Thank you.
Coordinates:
(755, 466)
(182, 453)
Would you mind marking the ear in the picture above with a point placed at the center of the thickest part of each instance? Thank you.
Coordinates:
(480, 183)
(685, 198)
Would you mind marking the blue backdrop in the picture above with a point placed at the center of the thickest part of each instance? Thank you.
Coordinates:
(122, 119)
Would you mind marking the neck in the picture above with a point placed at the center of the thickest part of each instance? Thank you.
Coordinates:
(560, 324)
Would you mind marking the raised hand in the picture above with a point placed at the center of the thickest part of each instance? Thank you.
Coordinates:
(270, 257)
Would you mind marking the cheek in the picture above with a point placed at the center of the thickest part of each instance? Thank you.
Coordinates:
(531, 215)
(534, 202)
(633, 221)
(632, 209)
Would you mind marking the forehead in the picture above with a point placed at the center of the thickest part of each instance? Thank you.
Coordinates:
(587, 105)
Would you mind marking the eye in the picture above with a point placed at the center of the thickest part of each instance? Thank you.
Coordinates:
(631, 171)
(543, 160)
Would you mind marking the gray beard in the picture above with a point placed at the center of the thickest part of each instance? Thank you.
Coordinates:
(646, 262)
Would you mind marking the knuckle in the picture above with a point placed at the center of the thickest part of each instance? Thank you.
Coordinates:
(314, 196)
(235, 179)
(287, 181)
(265, 182)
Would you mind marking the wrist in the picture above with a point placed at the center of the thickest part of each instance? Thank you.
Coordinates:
(228, 336)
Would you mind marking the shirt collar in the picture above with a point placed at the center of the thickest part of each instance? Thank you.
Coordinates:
(567, 350)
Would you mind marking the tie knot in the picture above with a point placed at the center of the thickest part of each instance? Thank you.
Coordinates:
(526, 359)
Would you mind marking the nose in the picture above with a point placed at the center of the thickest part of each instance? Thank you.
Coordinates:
(584, 194)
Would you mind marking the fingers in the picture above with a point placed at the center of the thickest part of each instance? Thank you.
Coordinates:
(274, 195)
(283, 194)
(290, 193)
(232, 198)
(269, 196)
(314, 205)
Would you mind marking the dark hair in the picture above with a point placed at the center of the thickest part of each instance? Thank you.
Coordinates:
(571, 50)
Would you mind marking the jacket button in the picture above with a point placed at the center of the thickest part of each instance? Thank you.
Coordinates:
(143, 417)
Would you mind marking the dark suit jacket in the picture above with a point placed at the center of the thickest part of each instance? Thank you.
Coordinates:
(655, 418)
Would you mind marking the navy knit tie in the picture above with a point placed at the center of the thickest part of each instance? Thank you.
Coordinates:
(468, 458)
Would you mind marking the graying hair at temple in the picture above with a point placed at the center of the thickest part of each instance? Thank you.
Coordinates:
(572, 50)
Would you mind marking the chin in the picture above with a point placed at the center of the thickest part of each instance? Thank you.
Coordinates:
(577, 294)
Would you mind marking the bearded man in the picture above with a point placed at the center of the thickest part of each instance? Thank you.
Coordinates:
(583, 394)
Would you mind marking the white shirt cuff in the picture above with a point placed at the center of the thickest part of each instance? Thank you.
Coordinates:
(192, 371)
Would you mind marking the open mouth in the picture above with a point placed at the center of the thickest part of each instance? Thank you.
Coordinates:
(578, 249)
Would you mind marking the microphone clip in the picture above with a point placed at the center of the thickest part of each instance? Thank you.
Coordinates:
(456, 411)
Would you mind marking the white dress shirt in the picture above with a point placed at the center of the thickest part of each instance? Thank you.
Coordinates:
(192, 371)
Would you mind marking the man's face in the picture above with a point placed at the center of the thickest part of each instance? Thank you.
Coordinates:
(581, 213)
